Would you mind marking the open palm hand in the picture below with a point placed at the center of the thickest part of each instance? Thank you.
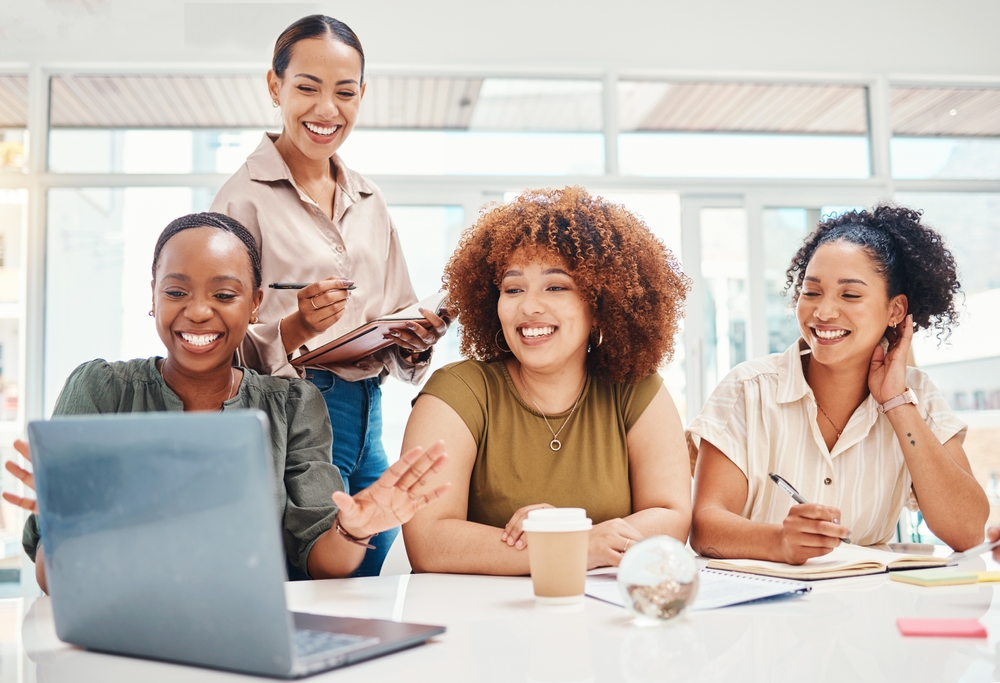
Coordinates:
(26, 477)
(395, 496)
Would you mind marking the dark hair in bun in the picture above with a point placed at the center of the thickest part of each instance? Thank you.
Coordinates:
(911, 257)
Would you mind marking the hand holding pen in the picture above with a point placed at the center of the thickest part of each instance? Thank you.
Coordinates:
(810, 529)
(320, 305)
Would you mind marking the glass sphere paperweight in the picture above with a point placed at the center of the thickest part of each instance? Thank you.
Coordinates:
(658, 578)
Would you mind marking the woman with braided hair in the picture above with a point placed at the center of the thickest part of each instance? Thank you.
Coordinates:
(839, 415)
(206, 291)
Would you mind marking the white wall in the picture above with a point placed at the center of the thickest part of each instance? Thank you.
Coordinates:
(918, 37)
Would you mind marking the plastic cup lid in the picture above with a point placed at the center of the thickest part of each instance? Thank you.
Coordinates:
(558, 519)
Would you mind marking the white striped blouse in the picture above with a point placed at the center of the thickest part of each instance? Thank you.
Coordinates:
(763, 417)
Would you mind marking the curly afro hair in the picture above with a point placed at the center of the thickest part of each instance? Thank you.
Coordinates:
(632, 282)
(911, 257)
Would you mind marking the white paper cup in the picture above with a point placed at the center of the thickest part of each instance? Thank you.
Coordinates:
(557, 554)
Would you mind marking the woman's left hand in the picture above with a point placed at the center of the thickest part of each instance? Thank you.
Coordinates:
(416, 338)
(887, 372)
(395, 496)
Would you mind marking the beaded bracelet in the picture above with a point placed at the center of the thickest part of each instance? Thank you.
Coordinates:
(353, 539)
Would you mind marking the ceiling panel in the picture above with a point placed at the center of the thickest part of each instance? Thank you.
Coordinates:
(952, 112)
(742, 108)
(110, 101)
(13, 101)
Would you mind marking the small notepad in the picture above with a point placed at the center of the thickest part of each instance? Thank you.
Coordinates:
(934, 577)
(948, 628)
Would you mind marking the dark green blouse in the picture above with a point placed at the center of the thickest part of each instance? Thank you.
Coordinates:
(301, 438)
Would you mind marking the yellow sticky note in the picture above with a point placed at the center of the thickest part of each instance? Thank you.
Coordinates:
(933, 577)
(987, 577)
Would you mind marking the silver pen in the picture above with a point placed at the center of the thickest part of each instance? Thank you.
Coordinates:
(790, 490)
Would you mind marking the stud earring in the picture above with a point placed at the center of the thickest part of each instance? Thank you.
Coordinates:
(274, 103)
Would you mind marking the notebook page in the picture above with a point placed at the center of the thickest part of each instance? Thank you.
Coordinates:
(715, 589)
(844, 558)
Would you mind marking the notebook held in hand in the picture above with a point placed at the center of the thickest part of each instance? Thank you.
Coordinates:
(370, 337)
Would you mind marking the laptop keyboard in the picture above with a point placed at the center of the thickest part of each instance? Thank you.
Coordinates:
(310, 643)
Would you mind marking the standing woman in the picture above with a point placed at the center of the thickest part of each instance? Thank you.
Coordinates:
(318, 222)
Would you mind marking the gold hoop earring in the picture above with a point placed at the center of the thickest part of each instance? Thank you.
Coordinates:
(253, 320)
(496, 340)
(151, 313)
(274, 103)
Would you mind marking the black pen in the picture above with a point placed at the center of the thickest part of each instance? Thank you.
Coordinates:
(790, 490)
(303, 285)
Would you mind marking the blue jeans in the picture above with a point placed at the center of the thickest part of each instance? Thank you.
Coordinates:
(356, 415)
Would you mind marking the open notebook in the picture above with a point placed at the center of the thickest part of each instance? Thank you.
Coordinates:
(370, 337)
(715, 589)
(845, 560)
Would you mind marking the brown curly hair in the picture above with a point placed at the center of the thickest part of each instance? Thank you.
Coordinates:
(911, 257)
(631, 281)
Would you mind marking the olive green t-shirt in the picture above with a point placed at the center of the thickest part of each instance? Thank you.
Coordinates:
(515, 465)
(301, 438)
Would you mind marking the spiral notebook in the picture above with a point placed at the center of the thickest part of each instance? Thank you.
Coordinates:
(715, 589)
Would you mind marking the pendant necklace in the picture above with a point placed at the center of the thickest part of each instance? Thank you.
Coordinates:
(555, 444)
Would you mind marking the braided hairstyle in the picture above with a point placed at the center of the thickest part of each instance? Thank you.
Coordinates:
(218, 221)
(911, 257)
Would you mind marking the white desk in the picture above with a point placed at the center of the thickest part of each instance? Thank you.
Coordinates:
(844, 630)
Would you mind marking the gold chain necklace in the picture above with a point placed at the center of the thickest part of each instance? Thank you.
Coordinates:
(840, 432)
(555, 444)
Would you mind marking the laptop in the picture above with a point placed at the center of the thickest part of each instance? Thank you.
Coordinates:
(162, 540)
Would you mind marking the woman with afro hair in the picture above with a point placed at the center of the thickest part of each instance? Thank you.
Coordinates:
(839, 415)
(568, 305)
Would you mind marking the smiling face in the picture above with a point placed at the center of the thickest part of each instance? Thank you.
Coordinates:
(319, 96)
(203, 298)
(545, 321)
(844, 308)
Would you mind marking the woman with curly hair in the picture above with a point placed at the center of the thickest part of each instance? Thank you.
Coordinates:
(839, 415)
(568, 305)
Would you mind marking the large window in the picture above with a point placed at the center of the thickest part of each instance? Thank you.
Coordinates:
(945, 132)
(742, 130)
(13, 121)
(736, 172)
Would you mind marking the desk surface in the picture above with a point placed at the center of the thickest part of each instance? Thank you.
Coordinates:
(844, 630)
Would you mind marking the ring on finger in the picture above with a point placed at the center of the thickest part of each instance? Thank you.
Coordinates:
(627, 541)
(312, 300)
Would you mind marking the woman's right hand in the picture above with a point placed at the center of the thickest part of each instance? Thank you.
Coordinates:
(810, 530)
(321, 304)
(608, 542)
(26, 477)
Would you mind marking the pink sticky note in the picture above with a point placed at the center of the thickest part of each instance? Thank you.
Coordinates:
(951, 628)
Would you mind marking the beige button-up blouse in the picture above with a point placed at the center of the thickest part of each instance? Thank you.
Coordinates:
(763, 417)
(299, 243)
